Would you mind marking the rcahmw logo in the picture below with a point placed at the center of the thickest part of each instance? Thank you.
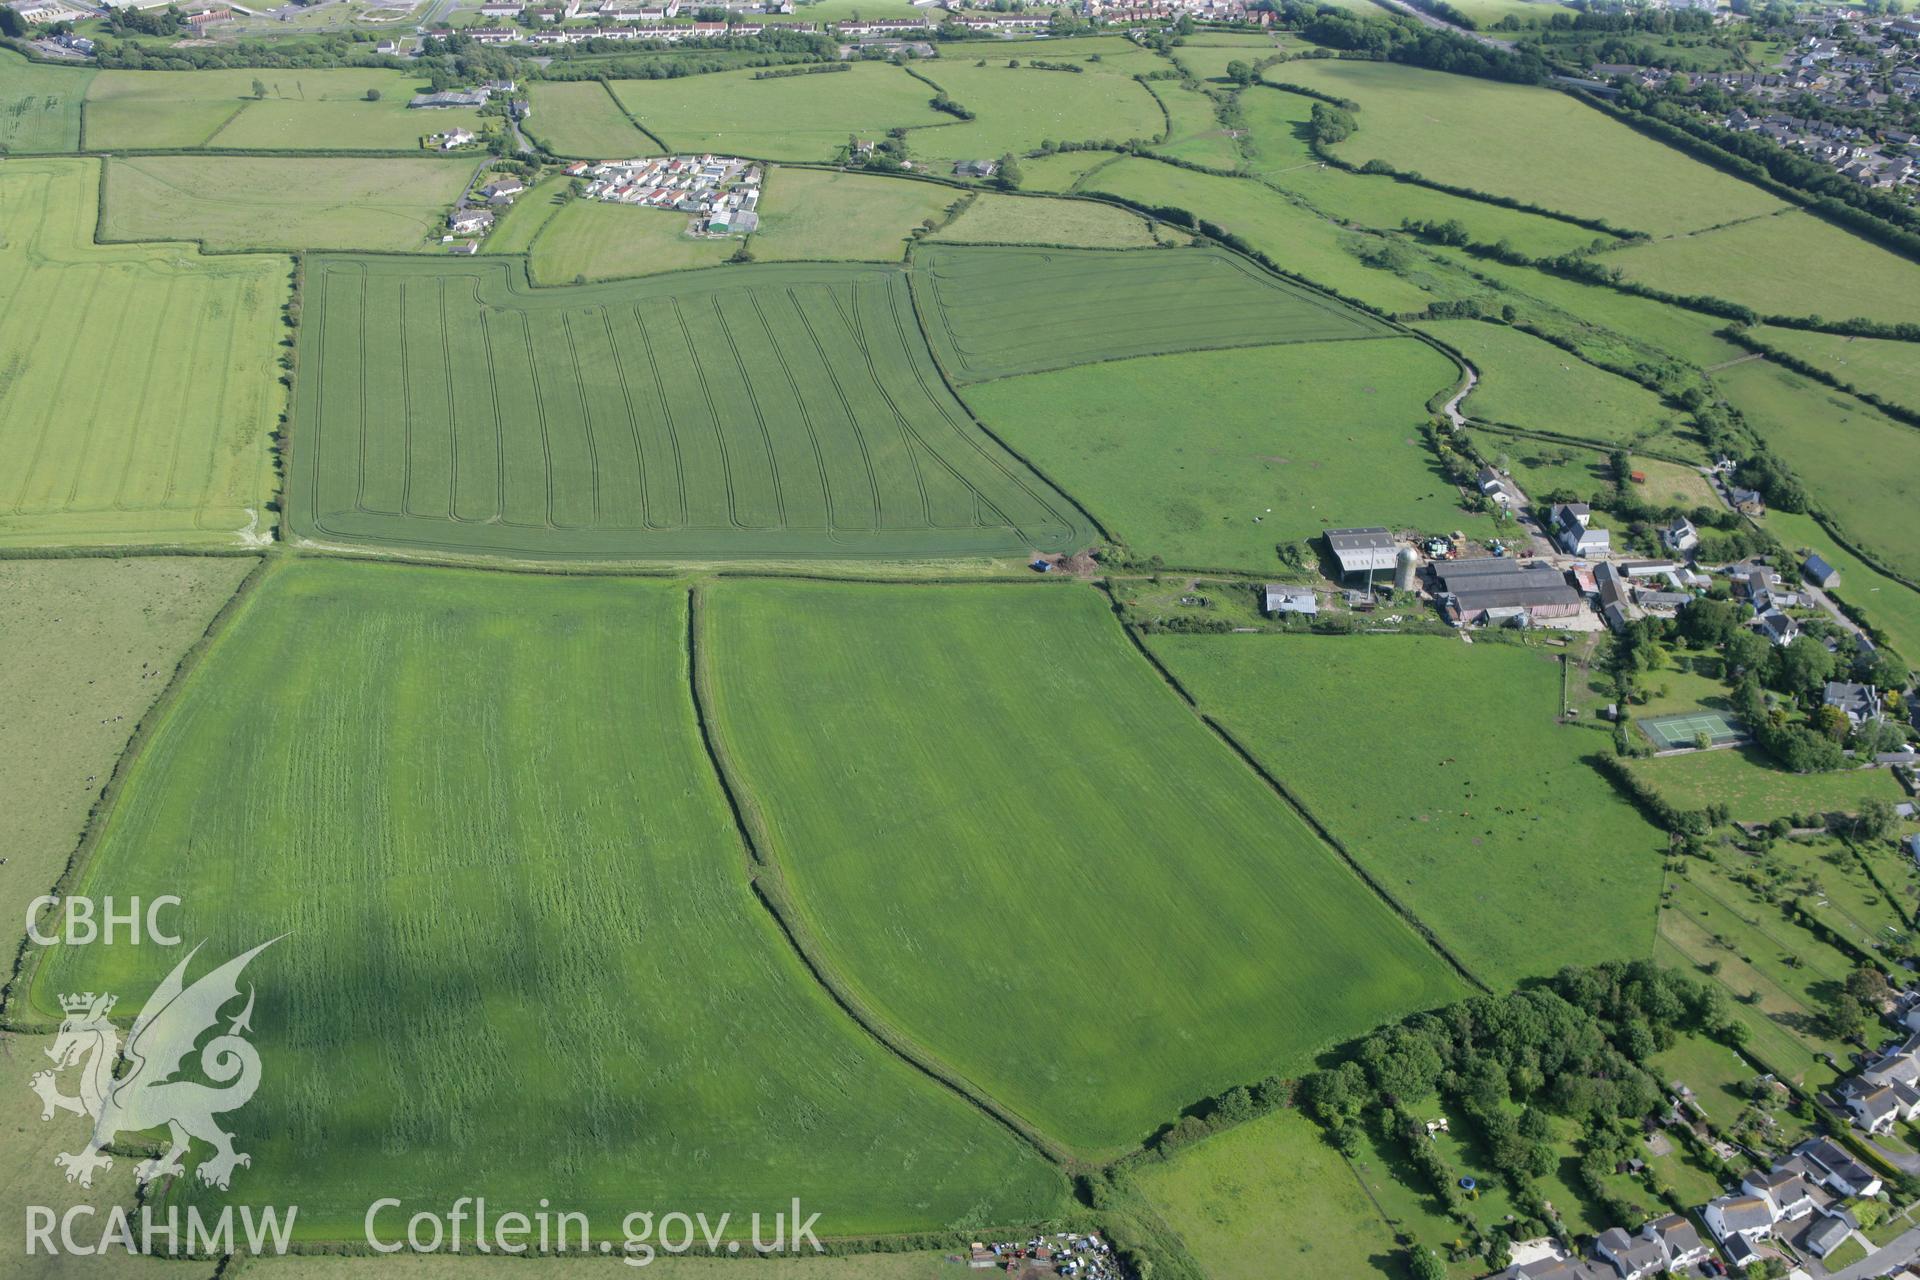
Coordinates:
(145, 1096)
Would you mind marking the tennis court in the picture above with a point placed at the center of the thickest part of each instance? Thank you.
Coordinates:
(1669, 732)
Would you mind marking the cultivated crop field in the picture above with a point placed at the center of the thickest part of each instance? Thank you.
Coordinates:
(132, 403)
(581, 118)
(1474, 830)
(775, 411)
(304, 110)
(1017, 108)
(1311, 434)
(816, 215)
(789, 118)
(1794, 264)
(246, 202)
(994, 312)
(509, 971)
(1823, 435)
(1001, 825)
(588, 240)
(40, 105)
(1531, 144)
(999, 219)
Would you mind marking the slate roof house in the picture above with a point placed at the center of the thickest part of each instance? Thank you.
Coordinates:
(1570, 523)
(1861, 702)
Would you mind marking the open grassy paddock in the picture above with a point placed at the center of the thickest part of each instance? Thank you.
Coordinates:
(589, 240)
(303, 110)
(1756, 790)
(789, 118)
(1309, 435)
(510, 972)
(1793, 264)
(40, 105)
(246, 202)
(994, 312)
(1532, 144)
(581, 118)
(1017, 108)
(1194, 131)
(1876, 366)
(137, 391)
(1444, 769)
(1002, 825)
(993, 218)
(817, 214)
(778, 411)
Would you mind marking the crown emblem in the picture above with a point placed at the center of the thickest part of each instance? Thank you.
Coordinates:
(81, 1003)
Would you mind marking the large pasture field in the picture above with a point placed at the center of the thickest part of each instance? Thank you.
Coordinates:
(246, 202)
(1881, 367)
(1443, 768)
(1756, 790)
(788, 118)
(136, 384)
(993, 218)
(1794, 264)
(817, 215)
(40, 105)
(783, 410)
(513, 970)
(303, 110)
(1005, 830)
(994, 312)
(1017, 108)
(1292, 439)
(1532, 144)
(580, 118)
(588, 240)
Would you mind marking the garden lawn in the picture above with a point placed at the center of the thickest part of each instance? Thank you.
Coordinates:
(1794, 264)
(302, 110)
(993, 312)
(1301, 241)
(775, 411)
(1087, 224)
(589, 240)
(245, 202)
(788, 118)
(1270, 1196)
(1754, 789)
(1824, 435)
(1528, 382)
(995, 818)
(40, 105)
(137, 382)
(1530, 144)
(1891, 606)
(815, 214)
(582, 118)
(1016, 109)
(515, 921)
(1292, 439)
(1477, 810)
(1880, 367)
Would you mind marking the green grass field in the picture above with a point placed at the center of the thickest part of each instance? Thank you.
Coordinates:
(244, 202)
(303, 110)
(1794, 264)
(1541, 466)
(589, 240)
(1531, 144)
(527, 216)
(1823, 435)
(1017, 108)
(1205, 57)
(512, 971)
(1195, 133)
(993, 312)
(1087, 224)
(1443, 768)
(1755, 790)
(1305, 436)
(1002, 825)
(1269, 1197)
(1891, 606)
(1311, 246)
(1060, 171)
(790, 118)
(821, 215)
(581, 118)
(1876, 366)
(1528, 382)
(778, 411)
(40, 105)
(136, 381)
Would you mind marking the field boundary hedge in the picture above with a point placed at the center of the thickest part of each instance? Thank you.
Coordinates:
(16, 1012)
(1741, 336)
(1293, 802)
(768, 882)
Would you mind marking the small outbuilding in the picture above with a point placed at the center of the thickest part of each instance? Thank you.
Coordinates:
(1819, 572)
(1278, 599)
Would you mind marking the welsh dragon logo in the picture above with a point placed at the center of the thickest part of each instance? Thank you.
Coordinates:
(146, 1096)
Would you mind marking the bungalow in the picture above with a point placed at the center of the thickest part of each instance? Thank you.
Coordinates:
(1680, 536)
(1281, 599)
(1633, 1259)
(508, 187)
(454, 138)
(975, 169)
(1828, 1234)
(1861, 702)
(1570, 523)
(1819, 572)
(1678, 1241)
